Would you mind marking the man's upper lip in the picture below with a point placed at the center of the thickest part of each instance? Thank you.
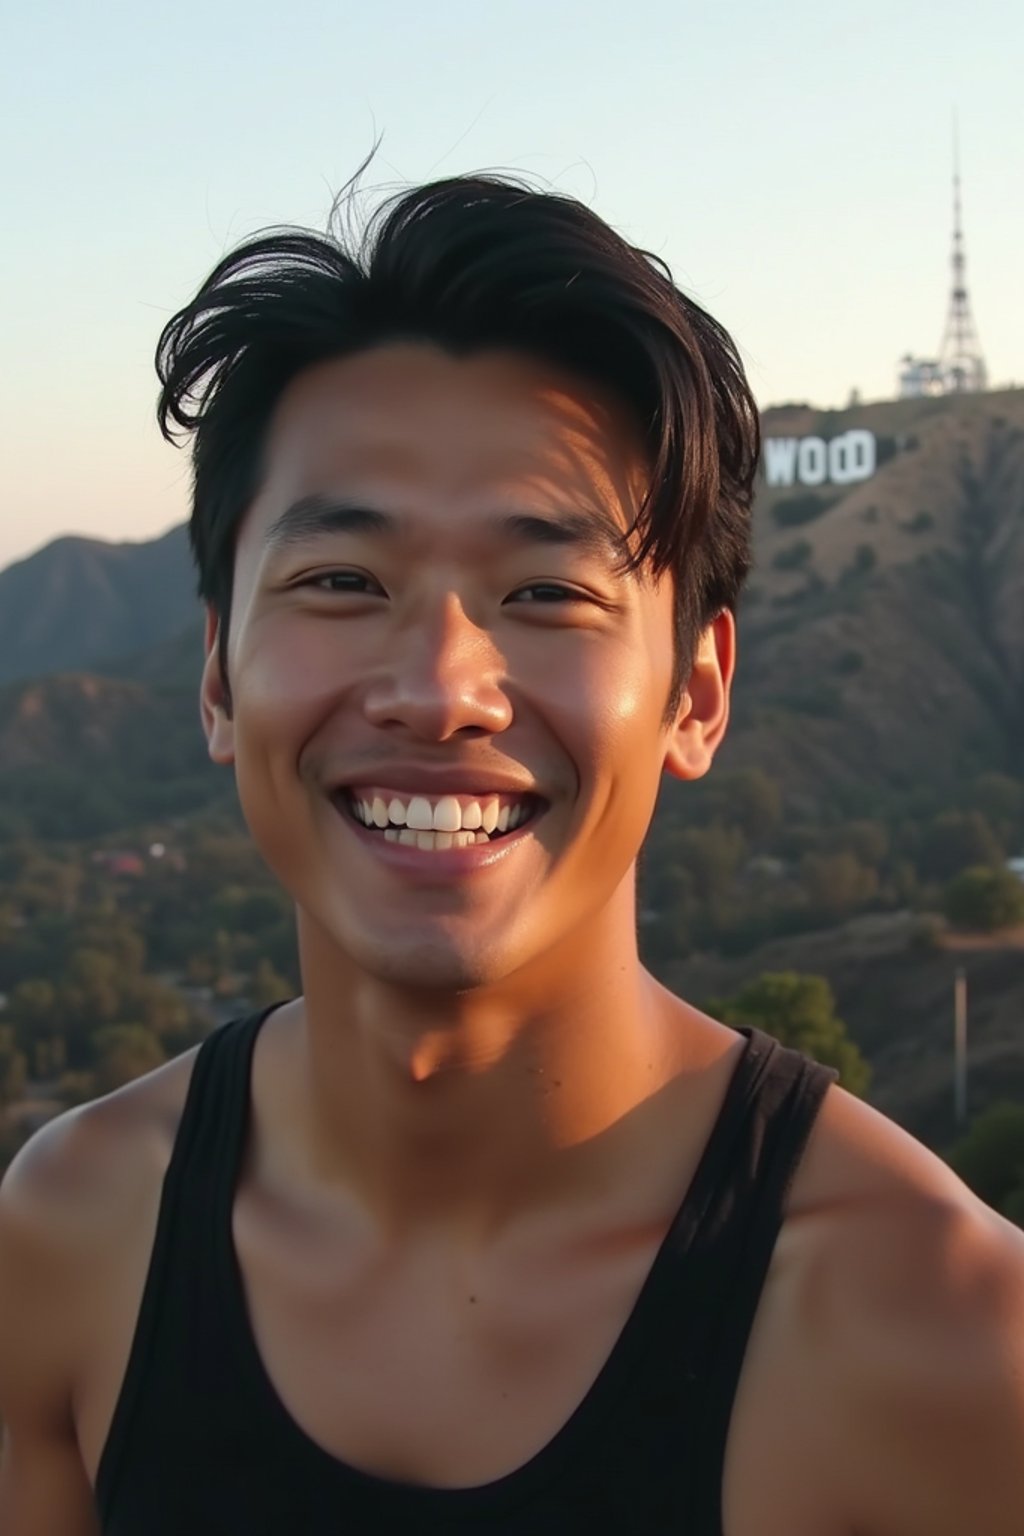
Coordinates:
(424, 780)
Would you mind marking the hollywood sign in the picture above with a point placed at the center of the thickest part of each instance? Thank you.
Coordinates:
(811, 460)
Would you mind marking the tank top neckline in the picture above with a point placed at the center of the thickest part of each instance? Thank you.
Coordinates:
(667, 1271)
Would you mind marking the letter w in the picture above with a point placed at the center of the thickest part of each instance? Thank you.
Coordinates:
(780, 460)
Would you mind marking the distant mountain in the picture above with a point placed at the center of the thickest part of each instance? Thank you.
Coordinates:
(78, 604)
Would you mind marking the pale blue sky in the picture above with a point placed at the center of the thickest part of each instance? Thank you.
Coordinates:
(791, 162)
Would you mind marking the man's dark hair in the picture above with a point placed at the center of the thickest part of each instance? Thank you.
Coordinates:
(474, 263)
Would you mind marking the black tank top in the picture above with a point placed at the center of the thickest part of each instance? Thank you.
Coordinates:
(201, 1445)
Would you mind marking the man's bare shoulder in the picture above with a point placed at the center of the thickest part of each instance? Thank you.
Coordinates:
(910, 1311)
(88, 1174)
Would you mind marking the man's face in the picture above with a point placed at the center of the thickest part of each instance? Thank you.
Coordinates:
(428, 626)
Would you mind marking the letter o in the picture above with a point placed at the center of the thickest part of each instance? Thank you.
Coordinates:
(811, 461)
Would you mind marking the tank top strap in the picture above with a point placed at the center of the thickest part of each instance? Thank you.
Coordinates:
(725, 1237)
(197, 1189)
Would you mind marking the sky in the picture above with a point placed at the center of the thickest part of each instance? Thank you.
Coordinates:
(791, 162)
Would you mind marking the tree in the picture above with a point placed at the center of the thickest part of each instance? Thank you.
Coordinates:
(990, 1159)
(124, 1052)
(13, 1067)
(837, 883)
(799, 1011)
(1013, 1206)
(954, 841)
(267, 986)
(985, 899)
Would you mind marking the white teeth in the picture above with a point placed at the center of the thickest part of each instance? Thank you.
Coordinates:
(420, 815)
(447, 818)
(424, 840)
(391, 834)
(407, 837)
(447, 814)
(443, 840)
(481, 837)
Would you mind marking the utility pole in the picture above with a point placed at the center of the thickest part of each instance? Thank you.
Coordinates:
(960, 1046)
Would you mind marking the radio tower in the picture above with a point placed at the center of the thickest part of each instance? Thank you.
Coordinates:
(960, 359)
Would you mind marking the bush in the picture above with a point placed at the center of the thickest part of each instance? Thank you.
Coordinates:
(792, 557)
(793, 511)
(985, 899)
(990, 1159)
(798, 1011)
(919, 523)
(864, 561)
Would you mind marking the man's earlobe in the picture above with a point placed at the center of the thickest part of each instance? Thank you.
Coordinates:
(703, 714)
(215, 699)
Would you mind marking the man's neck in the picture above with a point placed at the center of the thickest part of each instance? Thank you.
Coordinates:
(464, 1110)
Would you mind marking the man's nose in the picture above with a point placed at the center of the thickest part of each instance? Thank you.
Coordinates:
(443, 674)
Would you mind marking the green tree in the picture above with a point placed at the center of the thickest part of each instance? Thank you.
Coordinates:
(124, 1052)
(955, 840)
(985, 899)
(13, 1067)
(799, 1011)
(837, 883)
(267, 986)
(1013, 1206)
(990, 1159)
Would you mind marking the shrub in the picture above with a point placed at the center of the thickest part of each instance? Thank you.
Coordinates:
(792, 511)
(985, 899)
(799, 1011)
(793, 556)
(919, 523)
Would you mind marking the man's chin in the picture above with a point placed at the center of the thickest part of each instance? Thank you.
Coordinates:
(425, 964)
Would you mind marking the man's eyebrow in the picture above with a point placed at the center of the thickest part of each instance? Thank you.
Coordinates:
(590, 532)
(320, 516)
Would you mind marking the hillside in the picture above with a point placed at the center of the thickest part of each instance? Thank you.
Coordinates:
(79, 602)
(81, 754)
(882, 638)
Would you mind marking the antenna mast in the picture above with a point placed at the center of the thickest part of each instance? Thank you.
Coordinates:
(960, 358)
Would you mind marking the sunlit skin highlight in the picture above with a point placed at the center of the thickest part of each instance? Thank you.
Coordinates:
(392, 612)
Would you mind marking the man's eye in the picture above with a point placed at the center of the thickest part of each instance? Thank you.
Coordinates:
(342, 581)
(548, 592)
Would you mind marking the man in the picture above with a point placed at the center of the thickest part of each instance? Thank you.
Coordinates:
(486, 1230)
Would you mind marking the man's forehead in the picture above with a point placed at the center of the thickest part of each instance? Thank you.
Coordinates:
(496, 405)
(384, 428)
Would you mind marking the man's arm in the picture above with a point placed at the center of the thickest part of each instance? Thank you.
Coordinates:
(44, 1490)
(935, 1372)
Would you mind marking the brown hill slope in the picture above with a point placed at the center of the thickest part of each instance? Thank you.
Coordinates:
(883, 639)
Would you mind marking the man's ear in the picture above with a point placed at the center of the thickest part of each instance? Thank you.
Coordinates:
(215, 697)
(703, 712)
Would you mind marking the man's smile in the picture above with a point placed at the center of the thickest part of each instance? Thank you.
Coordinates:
(440, 821)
